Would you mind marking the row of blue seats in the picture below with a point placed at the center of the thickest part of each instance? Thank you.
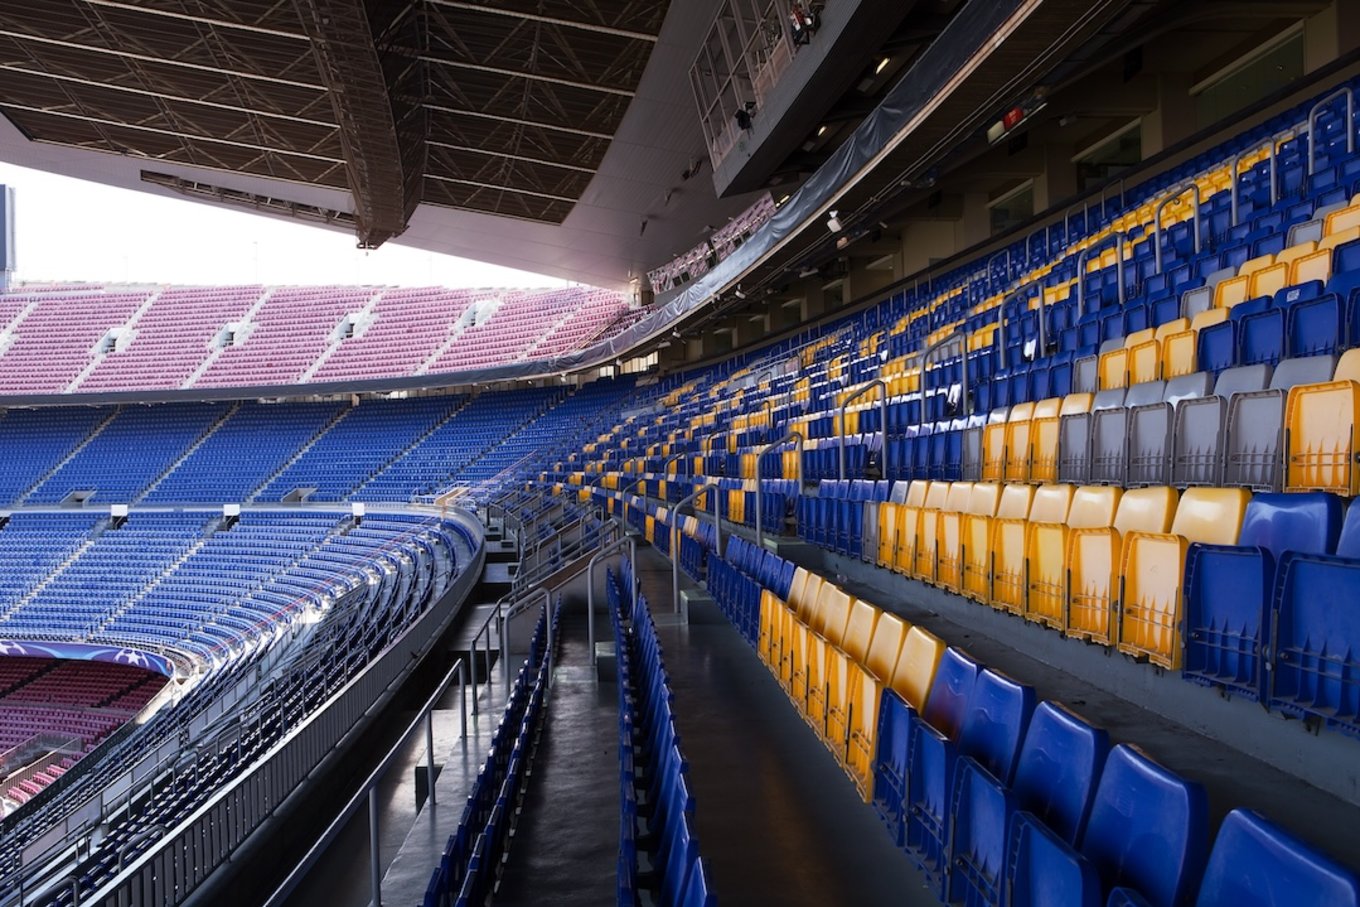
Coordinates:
(471, 859)
(656, 805)
(991, 793)
(737, 579)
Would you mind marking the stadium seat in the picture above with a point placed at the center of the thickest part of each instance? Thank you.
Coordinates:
(949, 530)
(1254, 863)
(866, 684)
(1322, 424)
(979, 538)
(1044, 870)
(1228, 589)
(1095, 555)
(1148, 829)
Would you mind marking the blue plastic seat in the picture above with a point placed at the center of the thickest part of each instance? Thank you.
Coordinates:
(1261, 337)
(1316, 326)
(895, 718)
(1254, 863)
(1043, 870)
(1217, 347)
(1228, 588)
(1058, 770)
(1148, 829)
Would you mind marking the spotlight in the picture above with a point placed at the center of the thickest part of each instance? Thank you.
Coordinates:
(739, 293)
(833, 223)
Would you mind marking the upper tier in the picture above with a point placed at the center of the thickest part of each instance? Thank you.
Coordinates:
(94, 340)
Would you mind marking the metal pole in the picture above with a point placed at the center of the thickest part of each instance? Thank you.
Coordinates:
(796, 437)
(472, 656)
(961, 339)
(1193, 189)
(675, 539)
(374, 853)
(462, 697)
(1349, 95)
(883, 415)
(548, 620)
(1119, 256)
(1081, 280)
(429, 754)
(590, 583)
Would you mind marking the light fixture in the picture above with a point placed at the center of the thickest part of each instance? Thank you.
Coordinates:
(739, 294)
(833, 223)
(882, 65)
(821, 130)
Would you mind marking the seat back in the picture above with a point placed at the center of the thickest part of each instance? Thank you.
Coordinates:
(886, 646)
(1307, 521)
(1059, 766)
(1015, 502)
(1093, 507)
(833, 612)
(1043, 870)
(1051, 503)
(1210, 516)
(995, 722)
(947, 704)
(916, 666)
(1255, 863)
(1146, 510)
(1148, 828)
(859, 630)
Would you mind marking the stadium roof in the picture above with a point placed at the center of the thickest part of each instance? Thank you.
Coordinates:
(357, 112)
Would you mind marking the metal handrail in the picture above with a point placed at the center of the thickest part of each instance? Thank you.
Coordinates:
(796, 437)
(1272, 145)
(1346, 92)
(855, 394)
(995, 255)
(626, 542)
(1120, 243)
(675, 538)
(1195, 198)
(368, 790)
(959, 337)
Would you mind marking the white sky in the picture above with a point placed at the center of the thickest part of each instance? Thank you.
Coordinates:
(69, 229)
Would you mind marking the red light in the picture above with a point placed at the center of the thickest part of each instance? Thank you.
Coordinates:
(1013, 117)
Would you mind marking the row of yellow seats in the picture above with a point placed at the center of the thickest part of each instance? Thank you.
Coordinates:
(1095, 562)
(1152, 354)
(834, 655)
(1266, 275)
(1023, 446)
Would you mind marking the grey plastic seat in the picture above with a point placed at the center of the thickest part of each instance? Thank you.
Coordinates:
(1109, 346)
(1075, 450)
(1308, 231)
(1110, 429)
(1151, 431)
(869, 531)
(1254, 450)
(972, 454)
(1085, 375)
(898, 494)
(1200, 299)
(1200, 427)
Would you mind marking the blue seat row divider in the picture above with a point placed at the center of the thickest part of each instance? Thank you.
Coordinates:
(468, 868)
(658, 850)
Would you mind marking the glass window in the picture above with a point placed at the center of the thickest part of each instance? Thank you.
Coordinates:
(1257, 75)
(1013, 207)
(1119, 152)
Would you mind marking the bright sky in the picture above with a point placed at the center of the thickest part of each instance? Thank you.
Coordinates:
(69, 229)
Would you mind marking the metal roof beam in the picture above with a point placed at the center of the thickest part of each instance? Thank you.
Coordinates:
(199, 20)
(440, 108)
(148, 58)
(542, 162)
(179, 99)
(547, 20)
(173, 133)
(531, 76)
(496, 188)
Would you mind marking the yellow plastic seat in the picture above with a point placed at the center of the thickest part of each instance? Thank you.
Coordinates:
(904, 533)
(1010, 546)
(841, 660)
(1043, 441)
(1153, 564)
(824, 633)
(923, 559)
(1046, 548)
(1343, 219)
(1095, 555)
(1323, 426)
(1180, 355)
(949, 532)
(793, 661)
(1269, 281)
(974, 522)
(1018, 425)
(1314, 266)
(978, 528)
(767, 641)
(1339, 238)
(915, 669)
(1113, 369)
(994, 446)
(867, 682)
(887, 534)
(1232, 291)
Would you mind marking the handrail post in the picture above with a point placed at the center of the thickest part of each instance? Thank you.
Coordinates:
(1346, 92)
(883, 417)
(624, 500)
(1119, 256)
(1193, 189)
(675, 539)
(959, 337)
(796, 437)
(613, 548)
(374, 848)
(1001, 332)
